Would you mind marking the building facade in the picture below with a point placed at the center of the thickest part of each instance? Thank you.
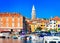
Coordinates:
(54, 24)
(10, 21)
(51, 25)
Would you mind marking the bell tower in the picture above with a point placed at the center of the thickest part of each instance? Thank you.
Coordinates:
(33, 13)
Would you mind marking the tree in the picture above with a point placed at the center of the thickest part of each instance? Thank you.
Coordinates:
(44, 18)
(38, 29)
(52, 30)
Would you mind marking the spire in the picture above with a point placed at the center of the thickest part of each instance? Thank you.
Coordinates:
(33, 8)
(33, 13)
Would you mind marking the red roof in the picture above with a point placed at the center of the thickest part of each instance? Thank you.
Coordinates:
(56, 18)
(9, 14)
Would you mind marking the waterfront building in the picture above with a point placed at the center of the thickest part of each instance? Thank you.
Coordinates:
(54, 24)
(38, 23)
(51, 25)
(10, 21)
(43, 24)
(57, 19)
(28, 27)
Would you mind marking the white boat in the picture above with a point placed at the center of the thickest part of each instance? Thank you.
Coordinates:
(51, 39)
(34, 37)
(21, 37)
(6, 35)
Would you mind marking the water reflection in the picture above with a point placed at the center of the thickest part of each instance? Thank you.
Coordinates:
(30, 41)
(24, 41)
(16, 41)
(10, 41)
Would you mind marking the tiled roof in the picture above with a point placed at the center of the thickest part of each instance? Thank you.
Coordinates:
(29, 22)
(9, 14)
(38, 21)
(45, 21)
(56, 18)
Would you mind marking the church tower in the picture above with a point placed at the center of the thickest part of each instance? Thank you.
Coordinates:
(33, 13)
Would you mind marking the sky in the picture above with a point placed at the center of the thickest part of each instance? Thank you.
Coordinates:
(44, 8)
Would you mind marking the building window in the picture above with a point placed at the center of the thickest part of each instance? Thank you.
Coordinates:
(54, 23)
(51, 22)
(18, 19)
(44, 25)
(18, 24)
(41, 25)
(12, 24)
(12, 19)
(6, 24)
(6, 19)
(59, 25)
